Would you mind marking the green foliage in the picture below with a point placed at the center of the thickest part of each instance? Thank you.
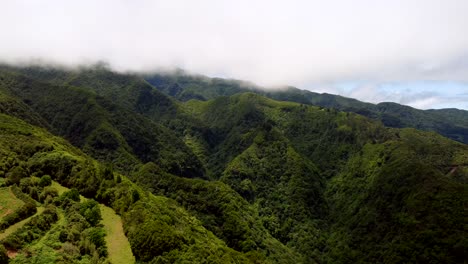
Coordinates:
(91, 212)
(221, 210)
(288, 182)
(160, 231)
(15, 175)
(64, 160)
(72, 195)
(452, 123)
(393, 218)
(48, 194)
(19, 214)
(91, 119)
(46, 180)
(34, 229)
(285, 187)
(22, 196)
(184, 87)
(96, 236)
(3, 255)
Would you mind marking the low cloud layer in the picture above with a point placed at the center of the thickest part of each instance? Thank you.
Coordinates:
(433, 95)
(418, 94)
(268, 42)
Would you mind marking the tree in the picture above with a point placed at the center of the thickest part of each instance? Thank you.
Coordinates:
(135, 196)
(46, 180)
(91, 211)
(15, 175)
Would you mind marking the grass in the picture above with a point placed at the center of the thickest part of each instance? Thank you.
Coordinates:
(8, 202)
(18, 225)
(117, 243)
(61, 189)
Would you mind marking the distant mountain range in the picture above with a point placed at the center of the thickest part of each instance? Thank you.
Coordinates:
(452, 123)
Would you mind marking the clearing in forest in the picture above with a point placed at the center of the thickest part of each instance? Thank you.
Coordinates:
(117, 243)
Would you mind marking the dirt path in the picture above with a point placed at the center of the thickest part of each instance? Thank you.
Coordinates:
(454, 168)
(12, 253)
(117, 243)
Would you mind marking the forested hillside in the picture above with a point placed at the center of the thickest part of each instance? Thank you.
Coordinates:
(451, 123)
(211, 171)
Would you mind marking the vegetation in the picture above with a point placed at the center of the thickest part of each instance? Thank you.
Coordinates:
(98, 167)
(112, 133)
(222, 211)
(118, 246)
(452, 123)
(12, 228)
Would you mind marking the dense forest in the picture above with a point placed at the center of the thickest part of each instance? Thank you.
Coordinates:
(104, 167)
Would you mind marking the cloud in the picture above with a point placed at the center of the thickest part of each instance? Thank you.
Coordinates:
(267, 42)
(438, 101)
(433, 94)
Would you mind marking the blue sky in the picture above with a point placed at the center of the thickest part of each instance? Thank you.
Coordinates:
(431, 94)
(418, 94)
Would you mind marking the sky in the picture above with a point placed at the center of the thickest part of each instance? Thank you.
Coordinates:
(413, 52)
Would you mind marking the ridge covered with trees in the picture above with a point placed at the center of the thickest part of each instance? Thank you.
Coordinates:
(209, 171)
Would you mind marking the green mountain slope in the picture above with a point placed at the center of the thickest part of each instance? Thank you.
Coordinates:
(108, 131)
(451, 123)
(411, 191)
(235, 176)
(287, 155)
(168, 232)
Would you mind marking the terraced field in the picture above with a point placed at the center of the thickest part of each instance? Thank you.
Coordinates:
(8, 202)
(55, 242)
(16, 226)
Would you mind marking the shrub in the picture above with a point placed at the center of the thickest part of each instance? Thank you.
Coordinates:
(91, 211)
(23, 212)
(46, 180)
(15, 175)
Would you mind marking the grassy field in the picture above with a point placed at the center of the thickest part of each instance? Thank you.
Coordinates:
(117, 242)
(8, 202)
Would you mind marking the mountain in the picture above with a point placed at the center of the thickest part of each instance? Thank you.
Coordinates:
(153, 225)
(451, 123)
(210, 170)
(101, 118)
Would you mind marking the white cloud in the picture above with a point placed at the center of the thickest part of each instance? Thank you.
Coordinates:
(267, 42)
(421, 96)
(425, 103)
